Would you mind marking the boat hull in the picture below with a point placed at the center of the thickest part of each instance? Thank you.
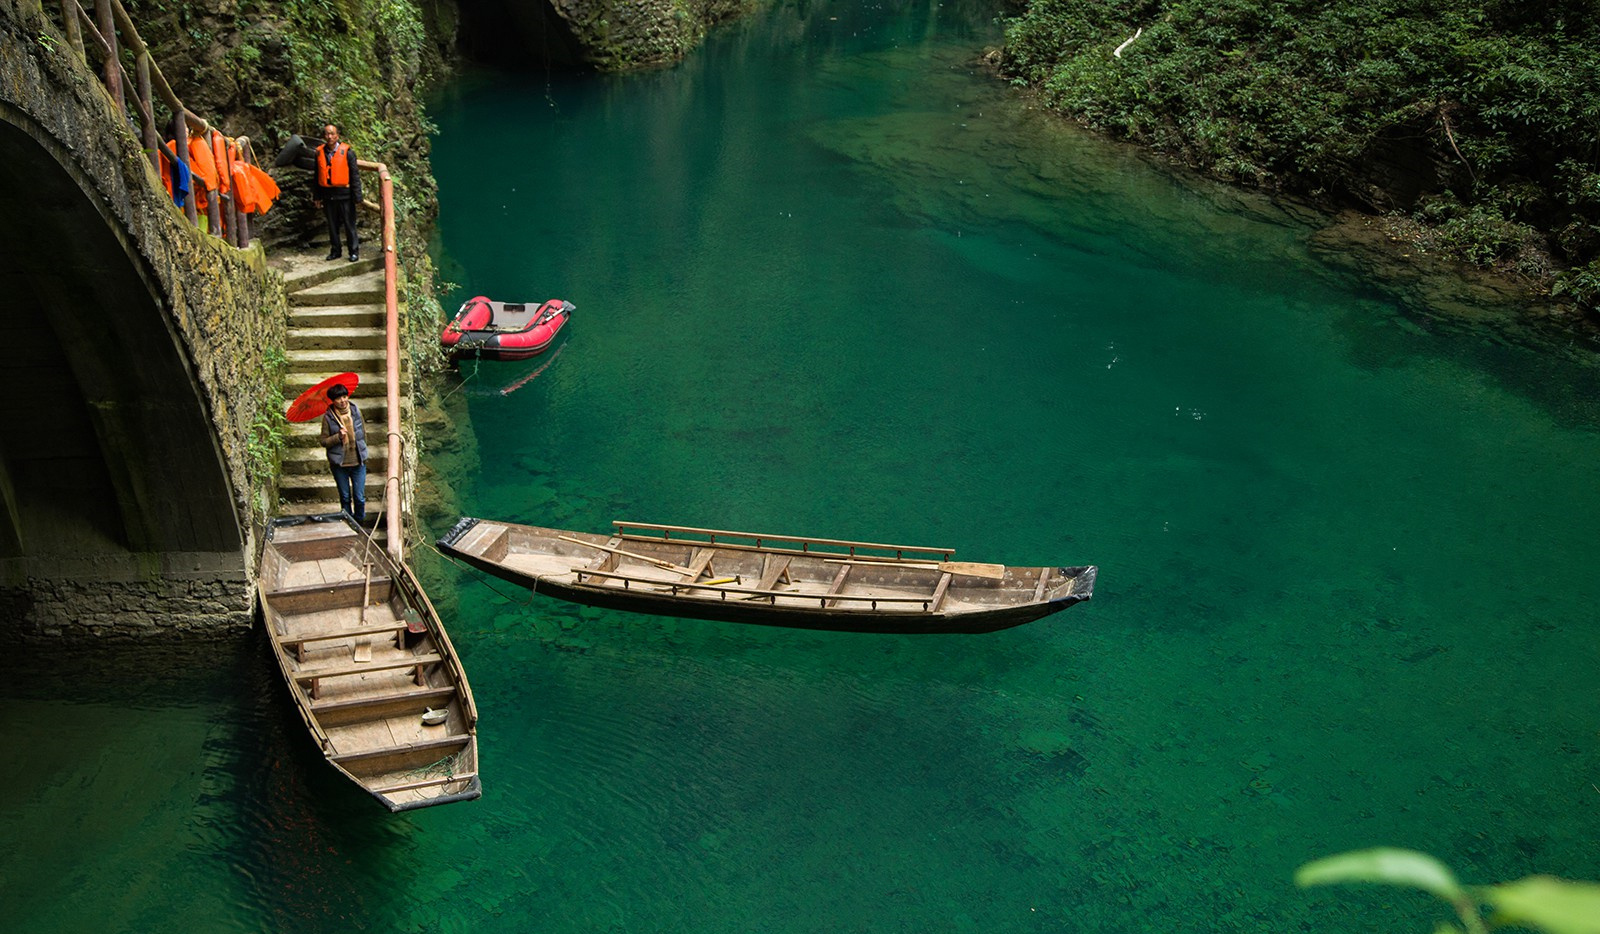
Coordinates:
(365, 657)
(891, 612)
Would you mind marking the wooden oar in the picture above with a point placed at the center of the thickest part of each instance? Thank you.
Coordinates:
(363, 650)
(664, 565)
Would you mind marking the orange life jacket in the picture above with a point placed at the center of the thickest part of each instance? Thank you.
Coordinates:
(266, 188)
(333, 173)
(204, 166)
(244, 190)
(223, 153)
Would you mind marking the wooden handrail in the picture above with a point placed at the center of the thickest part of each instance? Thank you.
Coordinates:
(110, 28)
(391, 352)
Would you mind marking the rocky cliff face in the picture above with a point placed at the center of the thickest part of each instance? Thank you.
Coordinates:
(606, 35)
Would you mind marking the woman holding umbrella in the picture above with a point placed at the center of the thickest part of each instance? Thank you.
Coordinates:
(341, 425)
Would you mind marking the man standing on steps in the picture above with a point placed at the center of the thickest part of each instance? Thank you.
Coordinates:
(336, 188)
(344, 434)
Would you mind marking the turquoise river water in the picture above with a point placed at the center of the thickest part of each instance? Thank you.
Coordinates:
(834, 280)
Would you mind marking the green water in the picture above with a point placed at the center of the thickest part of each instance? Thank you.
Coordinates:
(831, 280)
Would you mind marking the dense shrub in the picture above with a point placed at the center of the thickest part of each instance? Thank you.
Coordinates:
(1479, 117)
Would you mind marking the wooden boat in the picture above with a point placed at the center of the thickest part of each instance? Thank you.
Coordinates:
(369, 666)
(774, 580)
(504, 330)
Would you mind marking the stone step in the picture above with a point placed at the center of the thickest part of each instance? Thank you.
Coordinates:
(308, 270)
(305, 488)
(374, 411)
(363, 289)
(337, 316)
(370, 384)
(329, 362)
(331, 507)
(304, 338)
(313, 459)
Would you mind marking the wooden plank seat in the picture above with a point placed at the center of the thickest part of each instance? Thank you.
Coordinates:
(395, 628)
(316, 675)
(425, 783)
(346, 593)
(435, 747)
(345, 711)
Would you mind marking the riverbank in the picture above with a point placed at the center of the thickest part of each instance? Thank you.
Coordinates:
(1457, 135)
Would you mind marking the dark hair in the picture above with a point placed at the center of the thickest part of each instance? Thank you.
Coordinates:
(337, 391)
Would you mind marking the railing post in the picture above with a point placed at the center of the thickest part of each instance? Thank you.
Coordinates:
(152, 139)
(69, 22)
(113, 62)
(180, 142)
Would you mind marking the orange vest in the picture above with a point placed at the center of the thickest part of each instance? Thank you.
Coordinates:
(266, 188)
(335, 173)
(223, 152)
(204, 167)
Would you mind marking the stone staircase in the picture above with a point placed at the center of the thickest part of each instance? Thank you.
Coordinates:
(335, 326)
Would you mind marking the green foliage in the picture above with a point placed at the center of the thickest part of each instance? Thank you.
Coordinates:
(268, 430)
(1494, 100)
(1537, 902)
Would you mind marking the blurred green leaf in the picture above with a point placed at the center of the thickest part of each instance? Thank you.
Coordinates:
(1386, 865)
(1545, 902)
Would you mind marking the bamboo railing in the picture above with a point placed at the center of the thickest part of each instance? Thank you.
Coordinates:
(109, 30)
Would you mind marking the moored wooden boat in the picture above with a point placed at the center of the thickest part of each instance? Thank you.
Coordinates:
(368, 664)
(773, 580)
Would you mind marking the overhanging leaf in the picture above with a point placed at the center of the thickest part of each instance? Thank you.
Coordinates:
(1548, 903)
(1383, 864)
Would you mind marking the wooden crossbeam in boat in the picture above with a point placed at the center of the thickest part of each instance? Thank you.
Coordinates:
(395, 628)
(699, 563)
(316, 597)
(1044, 578)
(425, 783)
(316, 675)
(939, 592)
(608, 559)
(838, 584)
(409, 749)
(413, 698)
(776, 566)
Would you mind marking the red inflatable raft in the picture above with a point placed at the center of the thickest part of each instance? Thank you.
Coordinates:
(504, 330)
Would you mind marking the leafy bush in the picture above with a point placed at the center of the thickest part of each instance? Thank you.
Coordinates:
(1387, 103)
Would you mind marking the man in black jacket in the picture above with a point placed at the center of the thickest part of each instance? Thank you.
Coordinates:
(336, 188)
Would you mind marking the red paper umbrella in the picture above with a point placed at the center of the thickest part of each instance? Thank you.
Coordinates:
(314, 401)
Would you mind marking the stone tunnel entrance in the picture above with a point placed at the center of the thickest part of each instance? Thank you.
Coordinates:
(131, 371)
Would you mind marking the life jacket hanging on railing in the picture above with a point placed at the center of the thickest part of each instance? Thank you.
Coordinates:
(175, 174)
(204, 167)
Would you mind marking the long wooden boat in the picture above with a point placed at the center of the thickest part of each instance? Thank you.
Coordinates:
(774, 580)
(368, 664)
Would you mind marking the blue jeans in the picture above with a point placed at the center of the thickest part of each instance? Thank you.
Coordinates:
(352, 484)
